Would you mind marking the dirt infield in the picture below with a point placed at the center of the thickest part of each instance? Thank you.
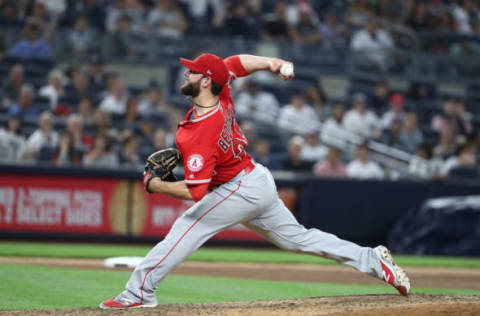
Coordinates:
(372, 305)
(350, 305)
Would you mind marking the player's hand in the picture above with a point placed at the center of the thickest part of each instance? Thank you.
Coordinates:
(148, 176)
(276, 65)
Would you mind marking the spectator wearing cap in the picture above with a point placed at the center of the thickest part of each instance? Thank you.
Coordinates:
(12, 86)
(395, 112)
(298, 117)
(43, 141)
(25, 106)
(331, 166)
(12, 143)
(360, 120)
(255, 104)
(55, 88)
(362, 167)
(32, 45)
(293, 161)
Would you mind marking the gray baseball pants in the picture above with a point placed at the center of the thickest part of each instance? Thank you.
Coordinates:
(250, 199)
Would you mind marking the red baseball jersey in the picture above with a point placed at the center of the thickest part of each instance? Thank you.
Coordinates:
(212, 145)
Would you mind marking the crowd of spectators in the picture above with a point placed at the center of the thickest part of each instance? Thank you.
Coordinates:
(364, 25)
(91, 118)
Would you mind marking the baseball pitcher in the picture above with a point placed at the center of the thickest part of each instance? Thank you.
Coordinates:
(229, 187)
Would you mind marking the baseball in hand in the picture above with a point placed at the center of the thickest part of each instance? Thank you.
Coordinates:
(286, 69)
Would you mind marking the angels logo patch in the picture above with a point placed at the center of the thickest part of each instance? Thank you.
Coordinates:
(195, 162)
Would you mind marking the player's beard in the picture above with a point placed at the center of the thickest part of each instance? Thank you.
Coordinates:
(191, 89)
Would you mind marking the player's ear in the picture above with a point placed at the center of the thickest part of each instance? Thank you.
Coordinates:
(206, 81)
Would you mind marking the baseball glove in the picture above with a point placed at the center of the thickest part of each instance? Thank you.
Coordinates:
(160, 164)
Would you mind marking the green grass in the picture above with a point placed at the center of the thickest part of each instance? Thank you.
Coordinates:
(36, 287)
(65, 250)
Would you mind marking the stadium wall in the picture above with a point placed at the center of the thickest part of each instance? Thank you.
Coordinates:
(111, 204)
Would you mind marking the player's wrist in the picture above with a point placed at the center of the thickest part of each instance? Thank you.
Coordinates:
(155, 185)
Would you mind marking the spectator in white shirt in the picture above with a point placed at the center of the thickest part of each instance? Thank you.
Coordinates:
(116, 100)
(361, 120)
(333, 131)
(396, 111)
(255, 104)
(335, 123)
(298, 117)
(12, 143)
(373, 45)
(312, 149)
(362, 167)
(55, 88)
(167, 19)
(461, 13)
(465, 158)
(423, 164)
(54, 7)
(43, 137)
(133, 9)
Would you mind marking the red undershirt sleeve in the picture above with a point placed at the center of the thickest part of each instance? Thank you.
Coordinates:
(198, 191)
(235, 65)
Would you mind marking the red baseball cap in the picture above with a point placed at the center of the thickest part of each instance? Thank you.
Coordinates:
(396, 99)
(209, 65)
